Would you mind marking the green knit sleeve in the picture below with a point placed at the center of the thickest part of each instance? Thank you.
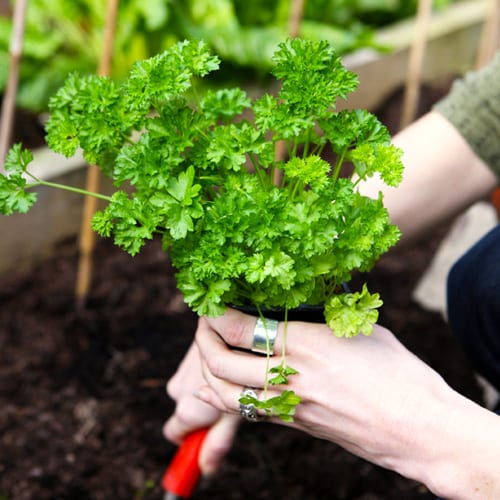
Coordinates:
(473, 107)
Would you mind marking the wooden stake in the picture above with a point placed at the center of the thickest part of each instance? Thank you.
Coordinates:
(87, 236)
(296, 14)
(489, 41)
(9, 98)
(415, 62)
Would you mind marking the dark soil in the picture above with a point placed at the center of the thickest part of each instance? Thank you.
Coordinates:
(82, 398)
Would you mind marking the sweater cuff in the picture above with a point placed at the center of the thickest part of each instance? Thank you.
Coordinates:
(473, 108)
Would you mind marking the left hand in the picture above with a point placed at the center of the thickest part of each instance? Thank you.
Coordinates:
(368, 394)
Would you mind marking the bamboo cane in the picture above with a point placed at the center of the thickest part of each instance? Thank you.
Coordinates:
(9, 98)
(87, 236)
(489, 41)
(294, 20)
(415, 63)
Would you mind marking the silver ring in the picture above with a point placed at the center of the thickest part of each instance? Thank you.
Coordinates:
(248, 411)
(264, 335)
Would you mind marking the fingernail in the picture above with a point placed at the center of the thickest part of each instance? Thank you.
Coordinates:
(202, 394)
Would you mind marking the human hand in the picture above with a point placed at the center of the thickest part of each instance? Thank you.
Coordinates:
(368, 394)
(191, 414)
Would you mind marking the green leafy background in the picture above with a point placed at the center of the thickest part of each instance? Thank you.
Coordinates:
(63, 36)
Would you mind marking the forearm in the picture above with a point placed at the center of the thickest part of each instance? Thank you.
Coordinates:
(455, 448)
(412, 423)
(442, 177)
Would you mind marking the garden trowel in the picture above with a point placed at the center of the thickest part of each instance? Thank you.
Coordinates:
(181, 477)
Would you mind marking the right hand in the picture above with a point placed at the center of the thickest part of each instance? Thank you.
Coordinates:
(191, 414)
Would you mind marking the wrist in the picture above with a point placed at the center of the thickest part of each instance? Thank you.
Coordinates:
(454, 448)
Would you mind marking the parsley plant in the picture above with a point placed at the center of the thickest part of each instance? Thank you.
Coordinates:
(201, 171)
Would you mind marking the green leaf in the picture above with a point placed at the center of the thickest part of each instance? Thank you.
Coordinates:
(129, 220)
(224, 103)
(349, 128)
(282, 406)
(350, 314)
(178, 219)
(18, 159)
(385, 159)
(282, 371)
(310, 171)
(312, 75)
(275, 265)
(203, 298)
(224, 149)
(13, 194)
(13, 197)
(89, 112)
(183, 188)
(168, 74)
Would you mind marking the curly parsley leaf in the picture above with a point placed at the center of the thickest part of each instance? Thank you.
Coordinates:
(382, 158)
(224, 103)
(282, 406)
(310, 171)
(13, 194)
(349, 314)
(312, 75)
(282, 372)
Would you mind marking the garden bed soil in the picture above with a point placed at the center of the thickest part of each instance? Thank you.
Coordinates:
(82, 398)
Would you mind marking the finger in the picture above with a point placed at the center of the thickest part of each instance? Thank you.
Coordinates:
(226, 397)
(174, 430)
(217, 443)
(230, 401)
(188, 374)
(237, 367)
(191, 413)
(237, 329)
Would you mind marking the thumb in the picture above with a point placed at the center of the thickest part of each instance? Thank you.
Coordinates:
(217, 443)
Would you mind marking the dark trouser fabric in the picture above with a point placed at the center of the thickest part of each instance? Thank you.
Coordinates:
(473, 294)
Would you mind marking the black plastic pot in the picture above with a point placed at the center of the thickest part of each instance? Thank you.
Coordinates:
(311, 314)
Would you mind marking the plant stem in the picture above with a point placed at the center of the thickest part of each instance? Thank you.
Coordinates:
(338, 164)
(39, 182)
(268, 353)
(283, 347)
(195, 94)
(307, 144)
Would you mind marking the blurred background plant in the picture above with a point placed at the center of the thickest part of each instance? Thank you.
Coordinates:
(63, 36)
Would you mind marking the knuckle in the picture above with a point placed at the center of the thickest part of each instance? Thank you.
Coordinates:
(185, 412)
(172, 388)
(219, 449)
(169, 432)
(236, 333)
(230, 403)
(216, 366)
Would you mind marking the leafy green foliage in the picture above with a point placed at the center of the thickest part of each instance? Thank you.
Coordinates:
(66, 36)
(200, 172)
(349, 314)
(282, 372)
(13, 194)
(282, 406)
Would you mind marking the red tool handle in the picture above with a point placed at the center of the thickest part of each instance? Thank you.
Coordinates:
(183, 472)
